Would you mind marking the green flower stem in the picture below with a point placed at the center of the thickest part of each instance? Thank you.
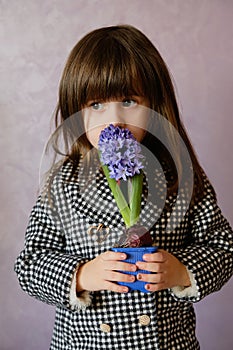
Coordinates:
(119, 197)
(135, 198)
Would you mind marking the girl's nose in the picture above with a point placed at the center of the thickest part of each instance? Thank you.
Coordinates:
(118, 123)
(116, 114)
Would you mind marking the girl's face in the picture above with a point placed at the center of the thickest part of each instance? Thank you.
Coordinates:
(127, 112)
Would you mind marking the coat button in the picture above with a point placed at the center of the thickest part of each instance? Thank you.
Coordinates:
(144, 320)
(105, 328)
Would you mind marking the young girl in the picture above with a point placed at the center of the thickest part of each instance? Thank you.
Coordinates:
(116, 75)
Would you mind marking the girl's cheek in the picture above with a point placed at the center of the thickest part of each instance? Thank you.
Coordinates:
(93, 137)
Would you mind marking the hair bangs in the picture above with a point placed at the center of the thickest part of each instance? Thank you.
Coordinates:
(112, 75)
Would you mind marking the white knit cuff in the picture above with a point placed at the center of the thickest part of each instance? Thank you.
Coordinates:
(80, 300)
(184, 292)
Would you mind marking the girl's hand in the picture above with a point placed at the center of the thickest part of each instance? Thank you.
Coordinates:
(101, 272)
(167, 271)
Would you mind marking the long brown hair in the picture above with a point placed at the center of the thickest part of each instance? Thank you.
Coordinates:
(113, 62)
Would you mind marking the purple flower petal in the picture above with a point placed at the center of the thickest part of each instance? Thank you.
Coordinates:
(120, 151)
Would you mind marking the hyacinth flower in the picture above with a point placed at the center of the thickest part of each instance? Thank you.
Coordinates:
(122, 160)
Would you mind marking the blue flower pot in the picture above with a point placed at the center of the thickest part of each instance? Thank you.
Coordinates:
(134, 255)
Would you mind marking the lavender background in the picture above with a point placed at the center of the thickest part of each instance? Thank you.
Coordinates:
(195, 39)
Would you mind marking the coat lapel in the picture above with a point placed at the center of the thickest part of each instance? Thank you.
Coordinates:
(91, 197)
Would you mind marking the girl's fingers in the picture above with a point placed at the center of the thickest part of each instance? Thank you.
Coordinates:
(155, 287)
(152, 267)
(160, 256)
(109, 255)
(119, 277)
(151, 277)
(115, 287)
(121, 266)
(155, 282)
(115, 261)
(154, 262)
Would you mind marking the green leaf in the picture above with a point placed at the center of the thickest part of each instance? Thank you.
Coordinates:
(118, 196)
(135, 198)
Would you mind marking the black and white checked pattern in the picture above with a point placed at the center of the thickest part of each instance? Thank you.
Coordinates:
(57, 240)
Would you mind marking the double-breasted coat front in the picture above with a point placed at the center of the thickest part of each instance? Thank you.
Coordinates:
(62, 234)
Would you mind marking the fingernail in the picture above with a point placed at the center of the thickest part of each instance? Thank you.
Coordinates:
(123, 256)
(139, 277)
(147, 287)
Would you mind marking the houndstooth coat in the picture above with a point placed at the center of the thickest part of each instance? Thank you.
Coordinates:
(59, 238)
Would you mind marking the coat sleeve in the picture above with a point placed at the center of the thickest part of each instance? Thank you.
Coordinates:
(44, 268)
(209, 255)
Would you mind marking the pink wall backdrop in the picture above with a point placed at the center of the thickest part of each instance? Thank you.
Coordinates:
(194, 37)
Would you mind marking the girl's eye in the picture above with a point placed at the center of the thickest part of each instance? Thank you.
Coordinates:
(97, 106)
(129, 102)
